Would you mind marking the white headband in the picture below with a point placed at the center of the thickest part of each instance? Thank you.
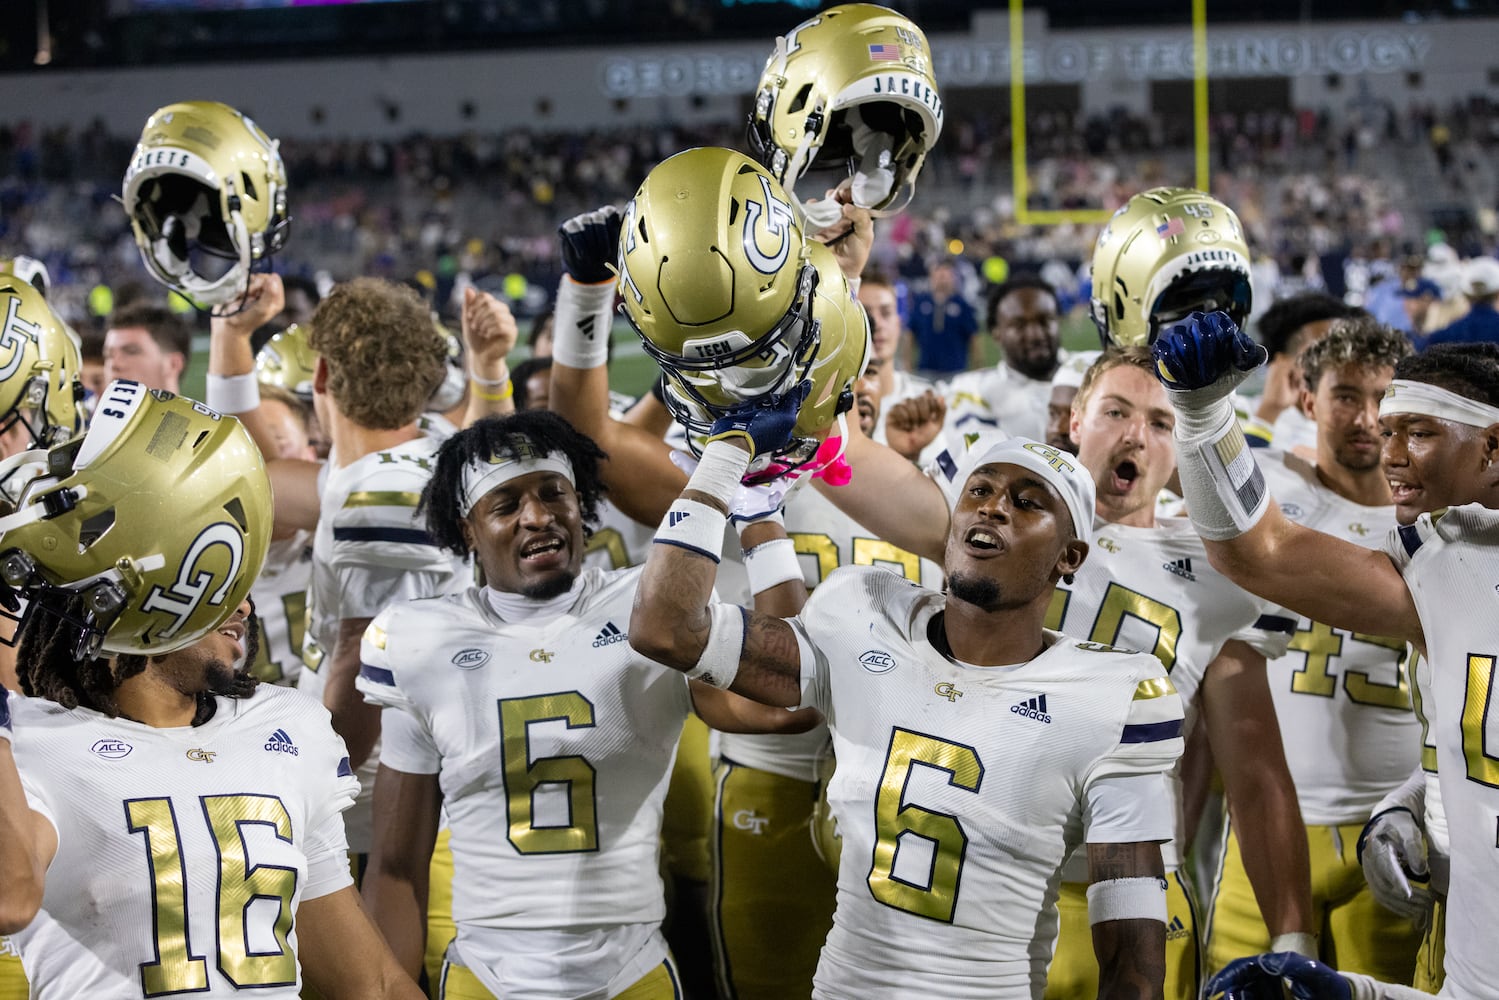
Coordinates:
(1405, 396)
(481, 476)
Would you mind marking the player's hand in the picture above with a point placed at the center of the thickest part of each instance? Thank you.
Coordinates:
(914, 423)
(751, 502)
(850, 238)
(590, 245)
(1276, 975)
(489, 333)
(764, 424)
(265, 297)
(1204, 357)
(1392, 851)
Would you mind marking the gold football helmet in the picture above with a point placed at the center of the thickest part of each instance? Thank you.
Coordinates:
(206, 196)
(848, 94)
(39, 367)
(29, 270)
(1166, 253)
(288, 360)
(159, 516)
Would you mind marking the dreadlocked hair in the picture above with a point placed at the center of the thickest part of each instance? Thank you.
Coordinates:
(47, 666)
(512, 436)
(1470, 370)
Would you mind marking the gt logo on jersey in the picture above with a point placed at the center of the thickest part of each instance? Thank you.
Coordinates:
(206, 756)
(14, 334)
(948, 691)
(190, 588)
(748, 819)
(778, 220)
(541, 656)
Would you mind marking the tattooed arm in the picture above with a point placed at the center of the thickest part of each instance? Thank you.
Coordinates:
(671, 623)
(1131, 953)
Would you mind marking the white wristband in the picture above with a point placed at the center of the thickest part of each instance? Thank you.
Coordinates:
(1300, 942)
(719, 471)
(694, 526)
(719, 664)
(771, 564)
(232, 393)
(1224, 487)
(582, 323)
(1142, 898)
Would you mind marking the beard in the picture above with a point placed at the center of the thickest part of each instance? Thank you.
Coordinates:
(979, 591)
(1039, 364)
(552, 586)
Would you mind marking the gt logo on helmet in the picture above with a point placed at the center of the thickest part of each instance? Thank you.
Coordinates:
(13, 336)
(778, 223)
(190, 588)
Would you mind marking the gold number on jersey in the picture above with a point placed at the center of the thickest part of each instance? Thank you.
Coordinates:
(1120, 603)
(815, 543)
(241, 883)
(1483, 767)
(176, 969)
(610, 542)
(266, 669)
(1428, 743)
(1056, 611)
(524, 777)
(875, 551)
(1321, 644)
(896, 820)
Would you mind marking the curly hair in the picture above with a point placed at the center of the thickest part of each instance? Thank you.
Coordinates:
(1357, 340)
(510, 436)
(385, 357)
(1470, 370)
(48, 666)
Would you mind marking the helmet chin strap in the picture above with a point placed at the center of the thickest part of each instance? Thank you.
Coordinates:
(874, 179)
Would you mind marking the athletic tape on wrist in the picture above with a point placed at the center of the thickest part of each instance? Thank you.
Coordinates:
(582, 324)
(693, 526)
(1142, 898)
(719, 471)
(232, 393)
(719, 664)
(1300, 942)
(1224, 486)
(771, 564)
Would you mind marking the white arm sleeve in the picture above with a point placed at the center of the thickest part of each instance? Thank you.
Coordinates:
(1365, 988)
(1129, 809)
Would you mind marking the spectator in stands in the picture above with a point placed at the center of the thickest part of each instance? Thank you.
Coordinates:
(1418, 295)
(943, 324)
(147, 343)
(1480, 284)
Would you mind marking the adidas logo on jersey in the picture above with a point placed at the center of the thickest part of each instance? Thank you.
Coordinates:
(1176, 930)
(676, 517)
(609, 635)
(1033, 708)
(279, 742)
(1181, 567)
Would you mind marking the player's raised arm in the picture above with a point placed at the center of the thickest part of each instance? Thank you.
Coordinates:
(674, 621)
(1200, 361)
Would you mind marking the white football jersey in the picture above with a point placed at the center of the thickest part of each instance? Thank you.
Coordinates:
(825, 538)
(1152, 589)
(998, 396)
(1421, 699)
(553, 744)
(369, 551)
(960, 789)
(1342, 699)
(618, 542)
(182, 854)
(280, 596)
(1450, 561)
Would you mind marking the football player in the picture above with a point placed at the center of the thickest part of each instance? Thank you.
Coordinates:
(1440, 420)
(521, 703)
(1342, 698)
(214, 806)
(953, 841)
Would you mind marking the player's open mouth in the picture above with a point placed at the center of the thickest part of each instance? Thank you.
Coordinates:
(542, 548)
(1403, 494)
(982, 538)
(1124, 476)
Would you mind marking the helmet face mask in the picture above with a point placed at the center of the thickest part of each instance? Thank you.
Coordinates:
(1166, 253)
(848, 98)
(159, 518)
(206, 196)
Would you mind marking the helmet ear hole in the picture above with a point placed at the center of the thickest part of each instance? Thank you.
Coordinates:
(249, 186)
(94, 528)
(799, 102)
(236, 510)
